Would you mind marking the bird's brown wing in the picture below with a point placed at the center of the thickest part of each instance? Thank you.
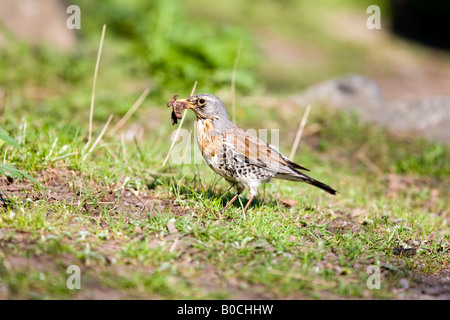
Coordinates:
(253, 150)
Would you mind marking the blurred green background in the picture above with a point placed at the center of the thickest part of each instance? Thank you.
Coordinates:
(286, 46)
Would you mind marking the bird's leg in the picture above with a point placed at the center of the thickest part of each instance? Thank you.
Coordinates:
(248, 203)
(230, 202)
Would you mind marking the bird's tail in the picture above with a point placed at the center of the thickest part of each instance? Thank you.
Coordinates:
(303, 177)
(321, 185)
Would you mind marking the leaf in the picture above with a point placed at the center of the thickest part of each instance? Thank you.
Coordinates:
(16, 173)
(26, 175)
(5, 137)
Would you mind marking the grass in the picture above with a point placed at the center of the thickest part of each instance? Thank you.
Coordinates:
(138, 230)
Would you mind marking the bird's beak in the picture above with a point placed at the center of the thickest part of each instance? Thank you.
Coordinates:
(189, 103)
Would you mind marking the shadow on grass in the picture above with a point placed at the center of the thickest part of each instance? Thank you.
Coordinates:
(194, 190)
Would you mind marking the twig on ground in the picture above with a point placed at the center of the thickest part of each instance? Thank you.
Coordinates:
(91, 115)
(299, 132)
(361, 155)
(233, 82)
(64, 156)
(99, 138)
(124, 150)
(51, 150)
(130, 112)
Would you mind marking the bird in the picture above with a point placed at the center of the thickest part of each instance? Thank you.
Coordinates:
(240, 157)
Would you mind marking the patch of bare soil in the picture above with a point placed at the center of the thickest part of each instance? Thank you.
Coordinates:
(436, 286)
(343, 226)
(65, 185)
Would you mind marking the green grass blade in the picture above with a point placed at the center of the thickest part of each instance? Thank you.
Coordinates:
(5, 137)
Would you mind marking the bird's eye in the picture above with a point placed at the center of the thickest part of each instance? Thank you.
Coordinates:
(201, 102)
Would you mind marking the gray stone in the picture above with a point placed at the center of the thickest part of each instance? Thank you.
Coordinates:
(403, 283)
(426, 116)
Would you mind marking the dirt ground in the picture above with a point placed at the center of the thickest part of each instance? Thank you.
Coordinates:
(64, 185)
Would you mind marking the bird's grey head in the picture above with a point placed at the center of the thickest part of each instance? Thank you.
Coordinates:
(208, 106)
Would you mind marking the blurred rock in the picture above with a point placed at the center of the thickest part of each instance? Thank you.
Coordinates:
(426, 116)
(351, 93)
(403, 283)
(37, 22)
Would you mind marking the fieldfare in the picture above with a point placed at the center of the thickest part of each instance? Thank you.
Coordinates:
(239, 156)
